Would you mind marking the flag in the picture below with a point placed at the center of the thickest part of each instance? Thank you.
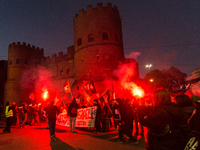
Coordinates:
(89, 87)
(67, 87)
(58, 99)
(106, 96)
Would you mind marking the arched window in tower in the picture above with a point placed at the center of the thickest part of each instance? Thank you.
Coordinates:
(61, 72)
(18, 61)
(68, 71)
(105, 36)
(79, 42)
(91, 37)
(10, 62)
(82, 60)
(117, 37)
(97, 56)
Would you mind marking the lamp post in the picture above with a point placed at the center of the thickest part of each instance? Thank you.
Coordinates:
(149, 66)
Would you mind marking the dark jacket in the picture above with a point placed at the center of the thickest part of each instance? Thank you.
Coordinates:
(187, 113)
(163, 128)
(126, 112)
(51, 112)
(193, 138)
(98, 112)
(115, 111)
(72, 109)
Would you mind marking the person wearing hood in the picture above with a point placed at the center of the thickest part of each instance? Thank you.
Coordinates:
(163, 123)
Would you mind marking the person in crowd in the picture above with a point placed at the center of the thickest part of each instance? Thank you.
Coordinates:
(104, 117)
(193, 138)
(1, 110)
(35, 113)
(187, 109)
(15, 115)
(112, 102)
(98, 117)
(163, 123)
(135, 105)
(52, 111)
(116, 114)
(144, 107)
(24, 113)
(126, 122)
(45, 115)
(72, 112)
(9, 117)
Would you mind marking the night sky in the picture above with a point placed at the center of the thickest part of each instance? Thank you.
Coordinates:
(163, 33)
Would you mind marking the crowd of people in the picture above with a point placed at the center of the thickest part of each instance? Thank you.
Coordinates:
(172, 123)
(14, 114)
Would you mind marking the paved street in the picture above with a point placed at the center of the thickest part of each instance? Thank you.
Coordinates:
(38, 138)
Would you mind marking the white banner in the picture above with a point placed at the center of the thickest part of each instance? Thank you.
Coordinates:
(85, 117)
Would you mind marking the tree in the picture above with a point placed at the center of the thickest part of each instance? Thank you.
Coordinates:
(167, 79)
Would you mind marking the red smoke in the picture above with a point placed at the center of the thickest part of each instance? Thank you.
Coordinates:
(127, 74)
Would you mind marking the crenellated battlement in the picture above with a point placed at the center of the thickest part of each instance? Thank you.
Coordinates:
(27, 46)
(59, 57)
(99, 7)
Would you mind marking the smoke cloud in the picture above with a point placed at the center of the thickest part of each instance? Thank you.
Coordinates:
(133, 55)
(127, 75)
(36, 78)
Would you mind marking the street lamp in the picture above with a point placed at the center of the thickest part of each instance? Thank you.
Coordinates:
(149, 66)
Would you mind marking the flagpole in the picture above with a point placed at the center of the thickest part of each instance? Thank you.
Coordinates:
(104, 92)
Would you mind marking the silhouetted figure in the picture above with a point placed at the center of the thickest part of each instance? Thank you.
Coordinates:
(193, 138)
(126, 122)
(98, 117)
(24, 113)
(51, 112)
(9, 117)
(163, 123)
(72, 112)
(15, 115)
(35, 111)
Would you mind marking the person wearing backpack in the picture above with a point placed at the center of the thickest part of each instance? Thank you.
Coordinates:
(72, 112)
(163, 123)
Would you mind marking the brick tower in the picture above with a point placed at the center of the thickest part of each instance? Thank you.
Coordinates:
(98, 42)
(20, 56)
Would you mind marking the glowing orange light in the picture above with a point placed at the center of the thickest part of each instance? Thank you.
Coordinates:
(88, 98)
(138, 92)
(151, 80)
(45, 94)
